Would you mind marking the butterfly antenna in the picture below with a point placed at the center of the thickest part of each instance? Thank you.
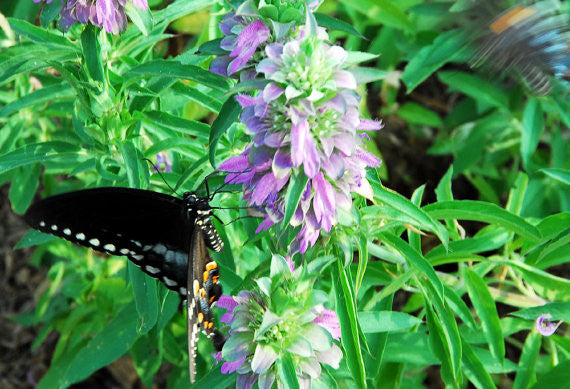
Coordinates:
(161, 176)
(219, 190)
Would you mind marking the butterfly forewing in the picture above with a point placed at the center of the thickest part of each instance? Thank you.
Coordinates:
(150, 228)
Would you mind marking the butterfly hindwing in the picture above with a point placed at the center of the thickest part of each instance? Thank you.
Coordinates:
(203, 291)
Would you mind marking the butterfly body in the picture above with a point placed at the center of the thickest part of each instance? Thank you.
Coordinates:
(167, 237)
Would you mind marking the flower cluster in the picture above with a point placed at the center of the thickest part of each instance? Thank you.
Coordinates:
(305, 119)
(283, 318)
(544, 326)
(109, 14)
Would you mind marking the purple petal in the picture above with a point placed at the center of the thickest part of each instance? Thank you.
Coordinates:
(245, 381)
(282, 163)
(311, 159)
(264, 187)
(230, 367)
(323, 201)
(329, 321)
(369, 125)
(219, 65)
(141, 4)
(264, 225)
(345, 143)
(267, 66)
(226, 302)
(271, 92)
(334, 166)
(263, 358)
(237, 164)
(344, 79)
(298, 134)
(368, 159)
(245, 100)
(248, 41)
(546, 327)
(290, 263)
(331, 357)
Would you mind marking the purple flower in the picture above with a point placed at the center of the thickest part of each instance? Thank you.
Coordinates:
(163, 163)
(109, 14)
(242, 39)
(305, 121)
(546, 327)
(264, 326)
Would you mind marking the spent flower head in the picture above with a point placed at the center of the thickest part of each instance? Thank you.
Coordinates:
(304, 123)
(109, 14)
(283, 318)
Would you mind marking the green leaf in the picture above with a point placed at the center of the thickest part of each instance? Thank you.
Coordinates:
(544, 284)
(286, 370)
(474, 369)
(475, 87)
(447, 47)
(562, 175)
(179, 8)
(178, 124)
(365, 75)
(146, 298)
(483, 212)
(108, 344)
(484, 305)
(297, 184)
(526, 369)
(559, 311)
(533, 122)
(37, 152)
(33, 238)
(381, 11)
(54, 92)
(346, 311)
(227, 116)
(175, 69)
(416, 114)
(49, 13)
(132, 163)
(331, 23)
(142, 18)
(24, 186)
(415, 259)
(386, 321)
(422, 219)
(92, 52)
(555, 377)
(40, 35)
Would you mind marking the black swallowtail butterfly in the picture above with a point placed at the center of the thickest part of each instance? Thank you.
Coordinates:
(165, 236)
(532, 40)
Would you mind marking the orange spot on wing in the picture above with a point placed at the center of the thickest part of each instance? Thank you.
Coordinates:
(511, 18)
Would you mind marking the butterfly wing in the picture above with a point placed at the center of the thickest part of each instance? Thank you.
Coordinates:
(150, 228)
(532, 40)
(203, 291)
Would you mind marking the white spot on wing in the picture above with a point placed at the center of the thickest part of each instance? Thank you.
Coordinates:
(54, 227)
(169, 282)
(94, 242)
(42, 224)
(183, 291)
(109, 247)
(160, 249)
(80, 236)
(137, 257)
(124, 251)
(67, 231)
(152, 269)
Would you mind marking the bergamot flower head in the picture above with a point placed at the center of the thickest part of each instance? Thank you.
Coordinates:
(282, 318)
(304, 123)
